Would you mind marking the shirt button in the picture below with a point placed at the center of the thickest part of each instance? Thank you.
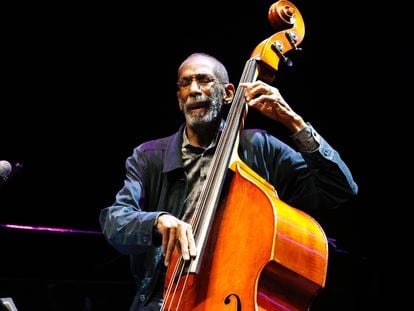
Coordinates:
(142, 297)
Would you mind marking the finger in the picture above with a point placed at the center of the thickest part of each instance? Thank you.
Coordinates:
(252, 90)
(170, 245)
(191, 243)
(182, 240)
(258, 102)
(265, 89)
(165, 238)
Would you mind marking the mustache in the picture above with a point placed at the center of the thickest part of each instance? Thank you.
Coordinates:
(199, 99)
(197, 102)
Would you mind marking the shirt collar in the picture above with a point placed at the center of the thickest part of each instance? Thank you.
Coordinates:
(186, 142)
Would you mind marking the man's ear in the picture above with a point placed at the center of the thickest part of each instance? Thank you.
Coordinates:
(230, 90)
(178, 101)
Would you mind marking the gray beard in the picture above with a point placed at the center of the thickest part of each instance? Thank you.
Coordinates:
(195, 119)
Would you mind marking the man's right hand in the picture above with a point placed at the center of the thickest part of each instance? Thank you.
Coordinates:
(176, 232)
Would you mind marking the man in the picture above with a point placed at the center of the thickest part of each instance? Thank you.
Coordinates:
(151, 213)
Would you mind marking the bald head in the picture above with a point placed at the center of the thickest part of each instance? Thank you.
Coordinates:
(199, 58)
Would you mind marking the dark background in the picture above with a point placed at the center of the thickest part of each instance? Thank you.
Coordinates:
(83, 85)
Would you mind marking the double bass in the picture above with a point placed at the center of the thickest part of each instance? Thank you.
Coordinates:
(282, 263)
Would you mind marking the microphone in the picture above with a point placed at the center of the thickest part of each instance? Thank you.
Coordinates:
(5, 169)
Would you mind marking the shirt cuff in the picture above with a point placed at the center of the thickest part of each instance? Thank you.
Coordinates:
(307, 139)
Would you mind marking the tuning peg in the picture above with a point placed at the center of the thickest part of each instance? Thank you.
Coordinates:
(277, 47)
(293, 39)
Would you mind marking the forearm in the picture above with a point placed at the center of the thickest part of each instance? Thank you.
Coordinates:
(329, 181)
